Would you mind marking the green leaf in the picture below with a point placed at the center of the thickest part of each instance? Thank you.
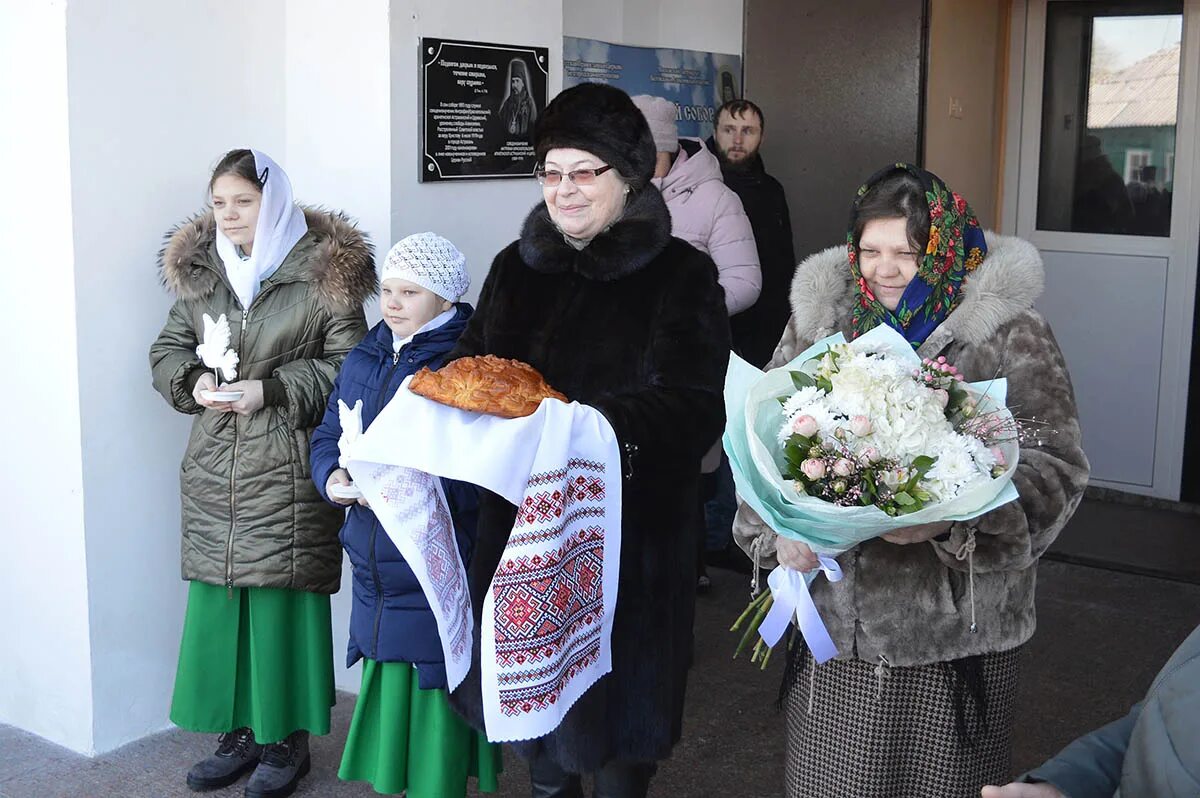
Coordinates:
(921, 466)
(795, 451)
(802, 380)
(801, 442)
(923, 463)
(783, 400)
(825, 385)
(904, 500)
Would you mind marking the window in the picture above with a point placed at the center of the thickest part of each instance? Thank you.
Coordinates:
(1134, 161)
(1111, 88)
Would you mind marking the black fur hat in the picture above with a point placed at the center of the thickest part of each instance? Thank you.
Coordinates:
(602, 120)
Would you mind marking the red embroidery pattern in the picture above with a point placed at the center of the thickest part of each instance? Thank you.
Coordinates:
(549, 605)
(417, 505)
(549, 533)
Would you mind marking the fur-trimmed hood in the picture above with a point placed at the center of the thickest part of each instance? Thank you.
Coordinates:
(340, 262)
(1006, 284)
(635, 239)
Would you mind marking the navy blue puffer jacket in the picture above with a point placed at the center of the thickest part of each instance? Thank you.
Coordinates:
(390, 620)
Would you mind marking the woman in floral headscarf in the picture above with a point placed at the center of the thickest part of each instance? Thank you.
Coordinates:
(929, 620)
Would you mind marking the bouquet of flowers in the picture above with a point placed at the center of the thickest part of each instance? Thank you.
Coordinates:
(850, 441)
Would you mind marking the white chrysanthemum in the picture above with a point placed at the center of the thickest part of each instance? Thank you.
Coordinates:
(955, 468)
(801, 399)
(983, 456)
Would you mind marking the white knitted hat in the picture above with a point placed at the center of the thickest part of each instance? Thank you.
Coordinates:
(661, 114)
(431, 262)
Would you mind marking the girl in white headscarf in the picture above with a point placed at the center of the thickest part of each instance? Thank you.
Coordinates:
(260, 546)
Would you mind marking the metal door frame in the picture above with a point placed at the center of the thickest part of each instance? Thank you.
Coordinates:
(1027, 47)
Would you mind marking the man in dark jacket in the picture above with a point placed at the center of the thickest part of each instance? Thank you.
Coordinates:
(739, 133)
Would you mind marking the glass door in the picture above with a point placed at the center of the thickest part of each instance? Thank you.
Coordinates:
(1107, 192)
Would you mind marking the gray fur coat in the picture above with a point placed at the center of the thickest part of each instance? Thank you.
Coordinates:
(911, 604)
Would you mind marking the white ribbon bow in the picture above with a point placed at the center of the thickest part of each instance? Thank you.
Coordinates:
(789, 589)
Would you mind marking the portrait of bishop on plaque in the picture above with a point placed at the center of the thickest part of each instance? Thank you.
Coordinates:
(519, 111)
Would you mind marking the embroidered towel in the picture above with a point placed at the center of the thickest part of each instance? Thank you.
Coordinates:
(547, 616)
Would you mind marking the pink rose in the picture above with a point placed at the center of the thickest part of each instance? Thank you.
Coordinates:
(804, 425)
(843, 467)
(860, 426)
(943, 397)
(869, 455)
(813, 469)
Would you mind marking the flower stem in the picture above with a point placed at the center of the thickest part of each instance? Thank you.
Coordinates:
(750, 608)
(752, 629)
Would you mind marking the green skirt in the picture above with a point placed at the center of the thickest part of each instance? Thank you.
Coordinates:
(257, 657)
(403, 738)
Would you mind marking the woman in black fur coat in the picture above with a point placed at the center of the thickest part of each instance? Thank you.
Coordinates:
(617, 314)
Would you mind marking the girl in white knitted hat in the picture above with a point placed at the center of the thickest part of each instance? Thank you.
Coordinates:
(404, 736)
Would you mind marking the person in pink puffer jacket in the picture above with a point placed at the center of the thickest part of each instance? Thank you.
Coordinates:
(704, 211)
(708, 215)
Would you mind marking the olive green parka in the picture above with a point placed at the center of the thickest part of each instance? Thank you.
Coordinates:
(251, 516)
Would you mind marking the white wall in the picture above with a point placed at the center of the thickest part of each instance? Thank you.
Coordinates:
(158, 91)
(339, 154)
(705, 25)
(134, 103)
(479, 216)
(45, 668)
(338, 110)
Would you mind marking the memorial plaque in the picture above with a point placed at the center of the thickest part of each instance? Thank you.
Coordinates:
(480, 103)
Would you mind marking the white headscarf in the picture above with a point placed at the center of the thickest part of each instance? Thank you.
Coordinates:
(280, 225)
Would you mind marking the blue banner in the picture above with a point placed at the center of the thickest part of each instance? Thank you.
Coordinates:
(698, 83)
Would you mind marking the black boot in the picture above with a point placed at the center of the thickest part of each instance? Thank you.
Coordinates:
(281, 767)
(236, 755)
(624, 780)
(548, 780)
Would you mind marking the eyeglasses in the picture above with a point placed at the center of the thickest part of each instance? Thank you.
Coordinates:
(580, 177)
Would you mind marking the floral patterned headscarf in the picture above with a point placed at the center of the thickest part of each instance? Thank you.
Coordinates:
(956, 248)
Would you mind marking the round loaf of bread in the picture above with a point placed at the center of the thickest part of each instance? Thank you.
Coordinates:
(486, 384)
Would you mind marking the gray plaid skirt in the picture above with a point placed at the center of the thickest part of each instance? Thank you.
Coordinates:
(859, 730)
